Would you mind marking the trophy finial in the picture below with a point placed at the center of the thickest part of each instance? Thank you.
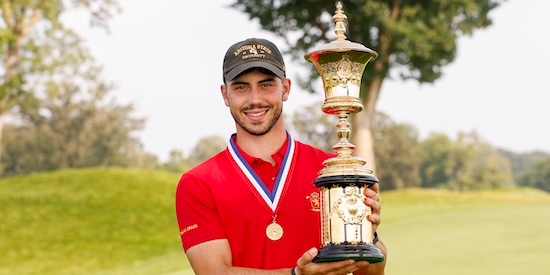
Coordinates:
(339, 18)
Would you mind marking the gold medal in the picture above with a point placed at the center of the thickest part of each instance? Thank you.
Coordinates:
(274, 231)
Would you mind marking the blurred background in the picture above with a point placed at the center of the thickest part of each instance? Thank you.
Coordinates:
(105, 103)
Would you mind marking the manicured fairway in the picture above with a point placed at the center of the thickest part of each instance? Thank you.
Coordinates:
(116, 221)
(437, 232)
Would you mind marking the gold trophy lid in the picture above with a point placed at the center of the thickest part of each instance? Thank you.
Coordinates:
(340, 44)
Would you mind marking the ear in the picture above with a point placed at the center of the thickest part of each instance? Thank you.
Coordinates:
(286, 88)
(223, 90)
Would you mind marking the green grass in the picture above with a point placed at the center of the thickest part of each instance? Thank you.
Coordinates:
(86, 221)
(115, 221)
(491, 232)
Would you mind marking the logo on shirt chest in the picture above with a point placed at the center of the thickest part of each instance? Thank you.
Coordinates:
(314, 201)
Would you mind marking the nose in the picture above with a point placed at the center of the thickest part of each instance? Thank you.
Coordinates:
(254, 97)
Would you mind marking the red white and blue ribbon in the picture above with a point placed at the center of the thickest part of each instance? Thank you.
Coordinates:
(271, 198)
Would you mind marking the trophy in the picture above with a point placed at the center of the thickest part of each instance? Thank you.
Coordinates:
(346, 231)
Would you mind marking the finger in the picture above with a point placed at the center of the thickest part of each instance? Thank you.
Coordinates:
(350, 268)
(376, 187)
(306, 258)
(338, 267)
(373, 192)
(375, 222)
(358, 265)
(374, 204)
(374, 219)
(369, 193)
(304, 265)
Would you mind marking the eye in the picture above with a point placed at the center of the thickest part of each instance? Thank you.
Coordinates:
(238, 87)
(267, 84)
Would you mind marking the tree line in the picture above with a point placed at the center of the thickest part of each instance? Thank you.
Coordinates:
(465, 162)
(75, 130)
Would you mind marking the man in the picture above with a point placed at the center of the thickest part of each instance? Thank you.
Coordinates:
(250, 209)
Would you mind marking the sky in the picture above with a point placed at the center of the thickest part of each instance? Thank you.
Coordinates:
(165, 57)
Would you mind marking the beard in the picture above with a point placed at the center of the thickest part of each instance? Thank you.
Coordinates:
(257, 128)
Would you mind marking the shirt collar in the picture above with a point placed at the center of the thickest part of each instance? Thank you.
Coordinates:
(278, 156)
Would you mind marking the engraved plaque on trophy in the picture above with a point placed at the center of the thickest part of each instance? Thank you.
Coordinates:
(346, 231)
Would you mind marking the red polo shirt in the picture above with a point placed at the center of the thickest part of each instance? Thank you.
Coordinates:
(216, 200)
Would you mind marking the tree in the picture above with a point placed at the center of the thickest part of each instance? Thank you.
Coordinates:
(73, 134)
(465, 164)
(492, 170)
(206, 148)
(176, 162)
(521, 162)
(311, 125)
(538, 176)
(71, 120)
(477, 165)
(24, 29)
(437, 167)
(415, 40)
(397, 152)
(397, 147)
(75, 125)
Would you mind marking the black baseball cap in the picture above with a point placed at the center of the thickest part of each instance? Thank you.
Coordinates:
(252, 53)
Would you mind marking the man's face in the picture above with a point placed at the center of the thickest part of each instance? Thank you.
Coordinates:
(255, 100)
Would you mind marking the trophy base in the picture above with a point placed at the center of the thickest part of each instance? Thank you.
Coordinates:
(358, 252)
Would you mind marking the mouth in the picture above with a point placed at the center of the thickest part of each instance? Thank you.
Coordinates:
(256, 114)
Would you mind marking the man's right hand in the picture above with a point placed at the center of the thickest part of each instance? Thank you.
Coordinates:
(305, 266)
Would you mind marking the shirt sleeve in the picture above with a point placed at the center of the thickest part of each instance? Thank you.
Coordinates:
(196, 212)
